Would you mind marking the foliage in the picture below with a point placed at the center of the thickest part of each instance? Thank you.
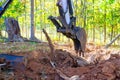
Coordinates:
(100, 18)
(15, 9)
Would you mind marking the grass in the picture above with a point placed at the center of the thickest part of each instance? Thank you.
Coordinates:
(21, 47)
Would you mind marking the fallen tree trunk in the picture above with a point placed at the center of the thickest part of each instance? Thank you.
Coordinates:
(108, 45)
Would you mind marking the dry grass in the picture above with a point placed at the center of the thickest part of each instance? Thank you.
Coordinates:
(22, 47)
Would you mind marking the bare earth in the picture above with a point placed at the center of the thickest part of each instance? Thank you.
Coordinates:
(103, 64)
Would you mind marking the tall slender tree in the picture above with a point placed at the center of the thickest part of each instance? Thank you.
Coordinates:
(93, 21)
(85, 8)
(105, 22)
(32, 28)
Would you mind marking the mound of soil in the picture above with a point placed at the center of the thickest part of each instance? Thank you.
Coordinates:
(39, 68)
(38, 65)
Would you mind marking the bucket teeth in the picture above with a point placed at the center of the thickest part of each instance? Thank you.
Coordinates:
(77, 34)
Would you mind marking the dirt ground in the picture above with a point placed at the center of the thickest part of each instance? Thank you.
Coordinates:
(102, 64)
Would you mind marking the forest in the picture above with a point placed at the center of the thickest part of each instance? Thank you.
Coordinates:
(100, 18)
(41, 52)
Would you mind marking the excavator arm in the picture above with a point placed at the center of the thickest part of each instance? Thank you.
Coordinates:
(68, 27)
(4, 7)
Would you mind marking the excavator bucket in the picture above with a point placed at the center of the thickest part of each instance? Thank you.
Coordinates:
(77, 34)
(66, 24)
(80, 41)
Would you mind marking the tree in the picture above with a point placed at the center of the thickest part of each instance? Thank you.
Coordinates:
(32, 28)
(32, 21)
(13, 30)
(112, 41)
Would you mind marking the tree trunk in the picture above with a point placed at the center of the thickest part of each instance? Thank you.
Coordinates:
(93, 24)
(112, 26)
(105, 25)
(111, 33)
(112, 41)
(50, 42)
(0, 33)
(32, 35)
(25, 6)
(85, 13)
(32, 28)
(13, 30)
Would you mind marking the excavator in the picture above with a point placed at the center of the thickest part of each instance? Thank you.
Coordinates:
(4, 7)
(65, 23)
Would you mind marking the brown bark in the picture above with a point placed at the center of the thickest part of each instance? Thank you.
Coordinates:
(49, 41)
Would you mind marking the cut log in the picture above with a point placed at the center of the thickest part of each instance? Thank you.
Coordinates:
(106, 46)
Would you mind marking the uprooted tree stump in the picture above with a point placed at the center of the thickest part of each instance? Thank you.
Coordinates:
(13, 30)
(58, 56)
(77, 61)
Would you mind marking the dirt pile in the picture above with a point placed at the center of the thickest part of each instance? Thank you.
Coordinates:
(105, 70)
(39, 67)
